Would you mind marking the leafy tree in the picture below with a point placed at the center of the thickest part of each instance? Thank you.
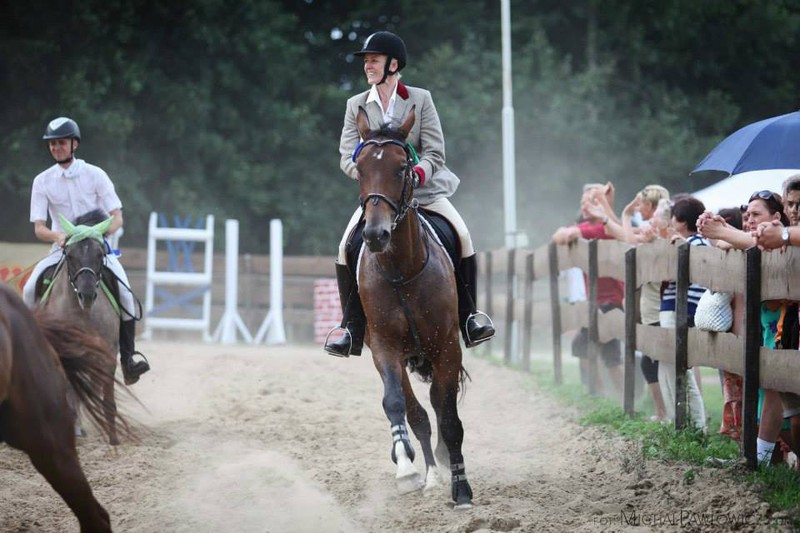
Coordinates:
(235, 108)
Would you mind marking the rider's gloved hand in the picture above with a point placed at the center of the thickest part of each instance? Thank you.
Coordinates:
(418, 178)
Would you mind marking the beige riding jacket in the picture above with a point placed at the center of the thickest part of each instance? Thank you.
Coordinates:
(426, 137)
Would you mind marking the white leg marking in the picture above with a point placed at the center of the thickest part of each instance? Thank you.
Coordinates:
(407, 478)
(432, 480)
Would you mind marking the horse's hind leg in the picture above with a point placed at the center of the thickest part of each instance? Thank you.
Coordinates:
(444, 397)
(50, 444)
(421, 426)
(60, 467)
(394, 405)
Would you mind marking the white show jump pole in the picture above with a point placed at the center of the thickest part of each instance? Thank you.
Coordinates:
(509, 165)
(231, 321)
(272, 327)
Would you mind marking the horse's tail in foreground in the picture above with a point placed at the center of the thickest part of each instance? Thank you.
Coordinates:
(86, 359)
(423, 367)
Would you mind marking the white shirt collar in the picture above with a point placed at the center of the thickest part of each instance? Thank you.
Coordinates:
(72, 170)
(375, 97)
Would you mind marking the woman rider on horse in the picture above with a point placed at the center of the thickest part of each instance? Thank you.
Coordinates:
(387, 102)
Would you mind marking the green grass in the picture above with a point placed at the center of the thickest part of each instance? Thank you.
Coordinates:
(779, 486)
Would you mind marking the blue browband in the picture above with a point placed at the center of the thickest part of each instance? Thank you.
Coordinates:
(409, 148)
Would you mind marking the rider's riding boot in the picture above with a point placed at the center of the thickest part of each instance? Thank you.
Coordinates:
(353, 320)
(131, 370)
(474, 332)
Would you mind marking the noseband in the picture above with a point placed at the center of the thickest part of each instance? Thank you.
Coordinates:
(401, 207)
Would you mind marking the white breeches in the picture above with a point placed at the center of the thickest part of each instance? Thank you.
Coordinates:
(666, 379)
(126, 299)
(441, 206)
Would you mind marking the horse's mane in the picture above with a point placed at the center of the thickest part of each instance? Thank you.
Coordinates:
(90, 218)
(388, 131)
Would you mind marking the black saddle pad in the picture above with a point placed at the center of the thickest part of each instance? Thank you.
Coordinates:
(44, 281)
(441, 226)
(444, 230)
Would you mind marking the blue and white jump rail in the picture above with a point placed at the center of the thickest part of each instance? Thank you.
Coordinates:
(157, 281)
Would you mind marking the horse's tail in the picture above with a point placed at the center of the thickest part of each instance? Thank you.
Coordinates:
(89, 365)
(423, 367)
(463, 377)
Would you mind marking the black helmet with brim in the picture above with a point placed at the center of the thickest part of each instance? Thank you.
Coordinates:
(385, 43)
(62, 128)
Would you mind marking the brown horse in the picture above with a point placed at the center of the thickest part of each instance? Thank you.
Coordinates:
(74, 296)
(408, 291)
(39, 355)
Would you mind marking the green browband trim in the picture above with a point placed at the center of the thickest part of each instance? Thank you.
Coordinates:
(413, 152)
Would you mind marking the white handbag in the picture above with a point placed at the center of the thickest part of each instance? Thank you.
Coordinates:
(714, 312)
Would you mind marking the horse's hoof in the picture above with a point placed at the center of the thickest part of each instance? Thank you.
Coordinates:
(410, 483)
(113, 441)
(432, 480)
(461, 494)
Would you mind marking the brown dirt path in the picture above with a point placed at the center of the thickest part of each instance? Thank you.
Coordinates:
(288, 439)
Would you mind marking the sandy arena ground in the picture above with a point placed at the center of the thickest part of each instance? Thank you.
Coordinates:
(288, 439)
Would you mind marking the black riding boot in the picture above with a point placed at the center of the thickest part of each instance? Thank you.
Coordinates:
(474, 332)
(353, 320)
(131, 370)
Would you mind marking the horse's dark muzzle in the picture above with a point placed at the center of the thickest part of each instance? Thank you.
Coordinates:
(377, 238)
(87, 298)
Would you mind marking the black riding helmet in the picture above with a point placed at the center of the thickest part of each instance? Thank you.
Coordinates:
(388, 44)
(63, 128)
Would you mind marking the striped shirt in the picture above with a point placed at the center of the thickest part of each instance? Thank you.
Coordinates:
(695, 291)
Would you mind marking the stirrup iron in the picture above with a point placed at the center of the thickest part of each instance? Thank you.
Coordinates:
(349, 347)
(488, 320)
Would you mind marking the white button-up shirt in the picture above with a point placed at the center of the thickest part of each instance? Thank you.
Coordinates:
(71, 192)
(373, 96)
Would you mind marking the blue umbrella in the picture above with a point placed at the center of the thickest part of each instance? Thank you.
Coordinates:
(773, 143)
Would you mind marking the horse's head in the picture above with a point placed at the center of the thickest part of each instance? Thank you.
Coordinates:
(385, 167)
(84, 253)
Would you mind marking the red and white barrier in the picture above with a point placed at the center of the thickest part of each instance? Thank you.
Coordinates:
(327, 308)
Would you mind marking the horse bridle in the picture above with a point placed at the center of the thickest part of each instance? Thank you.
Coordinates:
(401, 207)
(74, 277)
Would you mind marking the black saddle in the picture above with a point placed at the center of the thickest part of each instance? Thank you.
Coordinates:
(441, 226)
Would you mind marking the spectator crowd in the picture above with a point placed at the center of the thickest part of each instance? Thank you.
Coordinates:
(769, 220)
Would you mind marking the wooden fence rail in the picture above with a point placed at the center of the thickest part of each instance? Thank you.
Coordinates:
(513, 275)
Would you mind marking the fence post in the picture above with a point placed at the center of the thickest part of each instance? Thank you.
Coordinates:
(593, 347)
(752, 344)
(528, 319)
(681, 334)
(630, 330)
(510, 282)
(555, 311)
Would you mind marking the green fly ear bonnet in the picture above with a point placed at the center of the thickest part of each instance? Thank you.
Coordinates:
(81, 232)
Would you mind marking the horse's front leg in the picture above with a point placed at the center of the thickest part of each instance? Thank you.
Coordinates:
(421, 426)
(444, 398)
(394, 405)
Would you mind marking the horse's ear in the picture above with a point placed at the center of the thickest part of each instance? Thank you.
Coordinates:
(408, 123)
(362, 123)
(69, 228)
(103, 226)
